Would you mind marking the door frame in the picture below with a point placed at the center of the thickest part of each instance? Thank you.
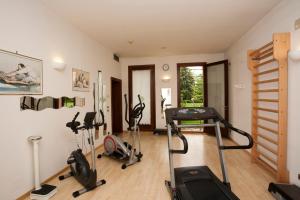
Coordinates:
(116, 80)
(150, 67)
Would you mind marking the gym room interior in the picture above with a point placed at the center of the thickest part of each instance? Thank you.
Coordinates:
(150, 99)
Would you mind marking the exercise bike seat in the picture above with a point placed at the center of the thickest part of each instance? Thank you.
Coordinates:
(73, 126)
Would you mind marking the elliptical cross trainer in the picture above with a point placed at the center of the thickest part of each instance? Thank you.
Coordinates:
(79, 165)
(116, 148)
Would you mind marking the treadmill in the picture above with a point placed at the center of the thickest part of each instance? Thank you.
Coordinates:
(199, 182)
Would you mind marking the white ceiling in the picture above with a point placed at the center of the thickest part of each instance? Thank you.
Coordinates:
(181, 26)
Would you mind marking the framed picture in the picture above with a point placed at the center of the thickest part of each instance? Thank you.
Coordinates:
(80, 80)
(20, 74)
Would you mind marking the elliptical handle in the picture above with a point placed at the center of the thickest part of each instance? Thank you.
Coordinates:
(102, 118)
(126, 109)
(140, 100)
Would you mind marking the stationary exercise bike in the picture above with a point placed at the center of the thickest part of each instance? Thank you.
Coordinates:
(116, 148)
(80, 167)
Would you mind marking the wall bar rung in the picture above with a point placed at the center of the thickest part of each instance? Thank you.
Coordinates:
(266, 109)
(267, 90)
(263, 56)
(266, 72)
(261, 48)
(273, 161)
(268, 129)
(264, 63)
(267, 148)
(267, 81)
(268, 100)
(267, 139)
(268, 119)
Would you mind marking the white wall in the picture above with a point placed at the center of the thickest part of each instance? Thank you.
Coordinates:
(280, 19)
(31, 29)
(159, 74)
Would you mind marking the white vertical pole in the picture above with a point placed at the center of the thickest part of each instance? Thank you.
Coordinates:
(36, 164)
(35, 141)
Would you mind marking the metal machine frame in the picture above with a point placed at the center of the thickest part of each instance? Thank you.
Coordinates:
(175, 114)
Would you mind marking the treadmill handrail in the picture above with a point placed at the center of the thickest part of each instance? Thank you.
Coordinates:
(184, 141)
(243, 133)
(205, 113)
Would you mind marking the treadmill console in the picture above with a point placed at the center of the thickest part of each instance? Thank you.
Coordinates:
(202, 113)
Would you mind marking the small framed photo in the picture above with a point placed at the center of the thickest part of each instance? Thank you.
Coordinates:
(20, 74)
(80, 80)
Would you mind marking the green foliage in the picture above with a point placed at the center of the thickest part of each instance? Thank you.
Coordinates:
(198, 90)
(186, 84)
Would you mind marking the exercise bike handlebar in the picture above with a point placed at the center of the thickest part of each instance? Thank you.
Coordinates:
(75, 117)
(75, 125)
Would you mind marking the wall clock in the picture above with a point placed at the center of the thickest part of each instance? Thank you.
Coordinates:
(165, 67)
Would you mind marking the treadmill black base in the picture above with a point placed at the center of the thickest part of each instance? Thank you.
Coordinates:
(284, 191)
(199, 183)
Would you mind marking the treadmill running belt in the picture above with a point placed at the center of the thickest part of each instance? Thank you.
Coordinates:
(200, 183)
(205, 190)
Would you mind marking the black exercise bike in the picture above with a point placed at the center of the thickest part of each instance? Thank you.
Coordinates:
(80, 167)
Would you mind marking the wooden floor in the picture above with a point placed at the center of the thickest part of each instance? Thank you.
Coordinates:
(145, 180)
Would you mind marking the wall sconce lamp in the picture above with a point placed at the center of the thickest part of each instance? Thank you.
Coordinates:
(294, 55)
(166, 78)
(58, 64)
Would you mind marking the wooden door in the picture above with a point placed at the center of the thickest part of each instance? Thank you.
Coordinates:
(116, 106)
(216, 90)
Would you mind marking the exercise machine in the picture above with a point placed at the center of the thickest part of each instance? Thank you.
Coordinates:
(116, 148)
(282, 191)
(45, 191)
(199, 182)
(79, 165)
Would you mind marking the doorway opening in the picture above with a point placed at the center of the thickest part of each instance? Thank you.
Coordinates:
(203, 84)
(191, 89)
(116, 106)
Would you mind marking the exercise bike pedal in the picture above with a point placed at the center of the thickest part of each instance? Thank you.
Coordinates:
(124, 166)
(70, 161)
(139, 156)
(76, 194)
